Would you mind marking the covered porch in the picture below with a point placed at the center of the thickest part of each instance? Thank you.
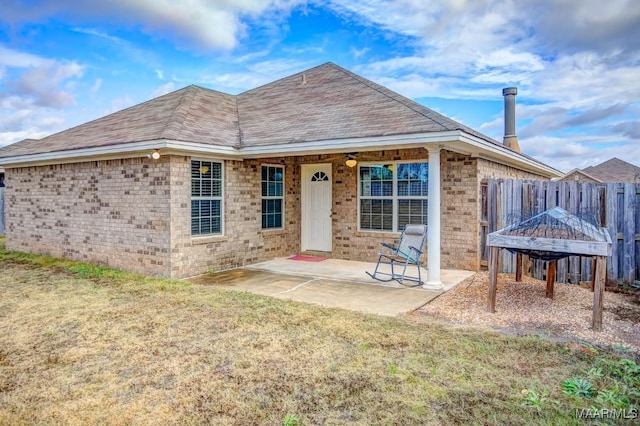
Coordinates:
(331, 283)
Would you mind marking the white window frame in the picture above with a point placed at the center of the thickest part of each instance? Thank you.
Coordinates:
(267, 197)
(212, 198)
(394, 197)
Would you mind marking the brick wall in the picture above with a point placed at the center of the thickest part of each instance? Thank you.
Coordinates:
(135, 213)
(459, 220)
(488, 169)
(348, 242)
(112, 213)
(244, 241)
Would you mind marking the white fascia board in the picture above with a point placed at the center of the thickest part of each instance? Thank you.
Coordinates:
(376, 143)
(110, 152)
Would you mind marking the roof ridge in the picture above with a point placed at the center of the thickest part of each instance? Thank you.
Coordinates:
(284, 78)
(403, 100)
(179, 106)
(240, 139)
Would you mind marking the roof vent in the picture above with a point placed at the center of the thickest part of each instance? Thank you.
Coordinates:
(304, 79)
(510, 139)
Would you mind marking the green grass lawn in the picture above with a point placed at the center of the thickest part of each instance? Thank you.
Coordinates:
(86, 345)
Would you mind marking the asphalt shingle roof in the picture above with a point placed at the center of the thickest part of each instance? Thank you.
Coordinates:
(614, 170)
(323, 103)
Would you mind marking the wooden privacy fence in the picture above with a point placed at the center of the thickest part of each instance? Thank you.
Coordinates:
(1, 211)
(615, 206)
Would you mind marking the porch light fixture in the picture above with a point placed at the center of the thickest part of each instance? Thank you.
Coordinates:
(351, 159)
(155, 155)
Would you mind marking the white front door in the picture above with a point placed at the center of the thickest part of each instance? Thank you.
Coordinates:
(316, 207)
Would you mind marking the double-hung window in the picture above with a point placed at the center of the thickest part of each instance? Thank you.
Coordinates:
(392, 195)
(272, 197)
(206, 198)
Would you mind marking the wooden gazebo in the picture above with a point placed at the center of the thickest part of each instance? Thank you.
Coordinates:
(552, 235)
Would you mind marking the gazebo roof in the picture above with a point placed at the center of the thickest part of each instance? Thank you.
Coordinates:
(553, 234)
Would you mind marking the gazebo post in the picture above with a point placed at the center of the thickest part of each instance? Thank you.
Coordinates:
(551, 278)
(593, 273)
(518, 267)
(493, 278)
(598, 294)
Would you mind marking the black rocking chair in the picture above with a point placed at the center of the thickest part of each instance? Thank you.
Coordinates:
(406, 254)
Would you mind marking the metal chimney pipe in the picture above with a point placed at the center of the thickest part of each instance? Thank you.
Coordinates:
(510, 139)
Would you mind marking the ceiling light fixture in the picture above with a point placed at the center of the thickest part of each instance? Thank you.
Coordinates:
(351, 159)
(155, 155)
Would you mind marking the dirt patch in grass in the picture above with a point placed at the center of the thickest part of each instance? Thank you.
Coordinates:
(88, 346)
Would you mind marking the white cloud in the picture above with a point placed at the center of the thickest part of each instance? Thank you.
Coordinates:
(14, 58)
(98, 33)
(96, 86)
(44, 83)
(34, 91)
(164, 89)
(578, 152)
(21, 119)
(205, 24)
(358, 53)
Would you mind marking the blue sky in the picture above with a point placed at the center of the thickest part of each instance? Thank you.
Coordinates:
(576, 63)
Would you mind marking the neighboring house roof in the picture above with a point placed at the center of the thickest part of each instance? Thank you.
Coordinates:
(615, 170)
(294, 114)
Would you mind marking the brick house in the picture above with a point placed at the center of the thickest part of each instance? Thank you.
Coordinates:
(198, 179)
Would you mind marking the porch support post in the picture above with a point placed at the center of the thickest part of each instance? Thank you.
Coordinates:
(433, 222)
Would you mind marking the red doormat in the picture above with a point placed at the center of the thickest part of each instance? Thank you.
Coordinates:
(306, 258)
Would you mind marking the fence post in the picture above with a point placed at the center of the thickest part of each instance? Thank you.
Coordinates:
(629, 232)
(612, 227)
(1, 211)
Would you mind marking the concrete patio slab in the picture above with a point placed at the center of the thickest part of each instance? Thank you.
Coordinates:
(332, 283)
(350, 270)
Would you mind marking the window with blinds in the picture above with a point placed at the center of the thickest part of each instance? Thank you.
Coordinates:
(206, 198)
(392, 195)
(272, 197)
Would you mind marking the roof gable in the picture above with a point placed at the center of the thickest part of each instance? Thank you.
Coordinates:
(577, 174)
